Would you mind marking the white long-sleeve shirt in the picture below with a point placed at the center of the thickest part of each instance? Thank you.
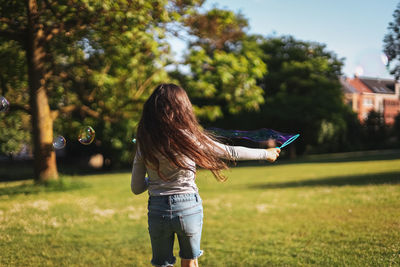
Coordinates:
(182, 181)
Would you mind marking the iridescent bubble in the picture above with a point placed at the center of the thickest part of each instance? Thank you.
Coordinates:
(86, 135)
(59, 142)
(4, 104)
(384, 59)
(359, 71)
(134, 140)
(266, 137)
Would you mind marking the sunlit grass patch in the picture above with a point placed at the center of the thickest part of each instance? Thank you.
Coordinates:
(312, 214)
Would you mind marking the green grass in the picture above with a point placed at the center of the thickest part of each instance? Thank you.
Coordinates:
(344, 213)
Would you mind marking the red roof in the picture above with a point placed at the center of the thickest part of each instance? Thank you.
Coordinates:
(359, 85)
(379, 86)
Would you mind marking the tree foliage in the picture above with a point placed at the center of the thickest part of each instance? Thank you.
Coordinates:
(224, 64)
(391, 44)
(95, 61)
(396, 128)
(375, 130)
(14, 124)
(99, 60)
(302, 93)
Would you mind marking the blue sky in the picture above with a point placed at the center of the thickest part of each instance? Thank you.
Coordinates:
(353, 29)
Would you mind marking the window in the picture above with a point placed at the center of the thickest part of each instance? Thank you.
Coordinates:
(368, 102)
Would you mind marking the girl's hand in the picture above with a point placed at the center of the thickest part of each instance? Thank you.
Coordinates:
(273, 154)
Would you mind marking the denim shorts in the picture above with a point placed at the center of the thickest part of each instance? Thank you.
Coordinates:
(180, 214)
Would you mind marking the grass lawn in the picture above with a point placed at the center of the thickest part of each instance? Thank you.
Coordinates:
(337, 213)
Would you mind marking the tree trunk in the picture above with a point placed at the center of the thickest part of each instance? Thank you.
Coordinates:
(42, 123)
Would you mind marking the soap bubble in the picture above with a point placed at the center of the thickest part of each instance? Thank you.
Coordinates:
(59, 142)
(268, 137)
(359, 71)
(384, 59)
(86, 135)
(4, 104)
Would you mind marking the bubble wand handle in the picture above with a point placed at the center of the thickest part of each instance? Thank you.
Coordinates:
(290, 140)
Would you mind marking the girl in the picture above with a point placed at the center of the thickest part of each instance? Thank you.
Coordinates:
(170, 144)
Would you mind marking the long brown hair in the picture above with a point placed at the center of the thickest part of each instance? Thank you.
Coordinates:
(169, 127)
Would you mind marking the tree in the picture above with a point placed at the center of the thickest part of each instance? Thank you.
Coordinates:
(21, 25)
(391, 44)
(396, 127)
(224, 65)
(375, 130)
(80, 58)
(302, 93)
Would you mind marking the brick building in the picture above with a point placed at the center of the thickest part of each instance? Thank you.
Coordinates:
(364, 94)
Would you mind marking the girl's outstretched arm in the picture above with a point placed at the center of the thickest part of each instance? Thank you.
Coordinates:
(245, 153)
(138, 181)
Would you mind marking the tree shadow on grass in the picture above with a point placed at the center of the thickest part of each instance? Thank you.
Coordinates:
(61, 185)
(332, 158)
(10, 171)
(24, 170)
(350, 180)
(327, 158)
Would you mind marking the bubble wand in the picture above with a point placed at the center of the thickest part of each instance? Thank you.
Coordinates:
(290, 140)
